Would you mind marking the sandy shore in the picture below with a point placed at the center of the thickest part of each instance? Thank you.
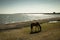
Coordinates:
(50, 31)
(25, 24)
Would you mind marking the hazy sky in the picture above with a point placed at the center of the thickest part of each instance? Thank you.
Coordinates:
(29, 6)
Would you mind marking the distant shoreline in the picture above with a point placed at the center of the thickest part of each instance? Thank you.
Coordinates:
(11, 18)
(25, 24)
(31, 13)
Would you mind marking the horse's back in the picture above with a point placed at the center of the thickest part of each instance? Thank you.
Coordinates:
(35, 24)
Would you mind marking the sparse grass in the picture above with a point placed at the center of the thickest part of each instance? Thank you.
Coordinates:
(50, 31)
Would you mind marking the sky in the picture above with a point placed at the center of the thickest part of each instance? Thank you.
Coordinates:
(29, 6)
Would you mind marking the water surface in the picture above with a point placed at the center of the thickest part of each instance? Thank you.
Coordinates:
(12, 18)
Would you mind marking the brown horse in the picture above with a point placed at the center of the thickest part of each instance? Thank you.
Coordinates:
(37, 25)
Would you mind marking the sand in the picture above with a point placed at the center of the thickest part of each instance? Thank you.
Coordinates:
(50, 31)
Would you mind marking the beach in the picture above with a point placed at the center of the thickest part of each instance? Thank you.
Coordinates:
(50, 31)
(29, 19)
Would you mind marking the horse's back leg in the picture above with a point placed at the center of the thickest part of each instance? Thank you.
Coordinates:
(39, 28)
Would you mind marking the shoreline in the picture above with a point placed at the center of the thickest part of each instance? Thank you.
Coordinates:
(25, 24)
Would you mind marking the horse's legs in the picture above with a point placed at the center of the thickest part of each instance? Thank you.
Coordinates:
(39, 28)
(31, 28)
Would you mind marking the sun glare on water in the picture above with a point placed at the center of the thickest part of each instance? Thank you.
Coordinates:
(35, 14)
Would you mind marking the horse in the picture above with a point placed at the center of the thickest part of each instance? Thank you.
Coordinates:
(36, 25)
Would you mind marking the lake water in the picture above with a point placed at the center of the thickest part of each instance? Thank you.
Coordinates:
(12, 18)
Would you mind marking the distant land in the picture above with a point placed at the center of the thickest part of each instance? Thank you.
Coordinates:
(37, 13)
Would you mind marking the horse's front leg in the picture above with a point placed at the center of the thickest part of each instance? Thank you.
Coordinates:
(31, 29)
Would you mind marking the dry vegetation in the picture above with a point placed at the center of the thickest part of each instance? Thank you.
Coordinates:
(50, 31)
